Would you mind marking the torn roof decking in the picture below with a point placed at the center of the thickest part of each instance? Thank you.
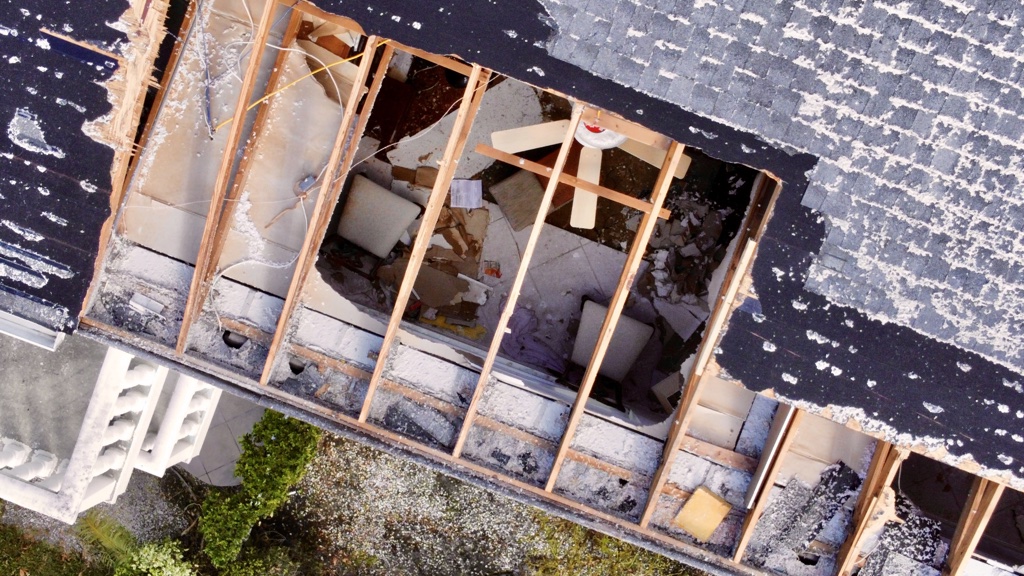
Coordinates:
(509, 37)
(55, 190)
(890, 380)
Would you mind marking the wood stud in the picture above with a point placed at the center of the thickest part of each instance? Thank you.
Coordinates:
(471, 100)
(325, 201)
(604, 339)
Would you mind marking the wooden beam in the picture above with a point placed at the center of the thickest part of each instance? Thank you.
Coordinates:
(981, 503)
(542, 170)
(620, 125)
(762, 499)
(604, 338)
(517, 284)
(312, 10)
(220, 185)
(325, 201)
(885, 462)
(718, 455)
(122, 182)
(201, 287)
(691, 390)
(442, 61)
(471, 99)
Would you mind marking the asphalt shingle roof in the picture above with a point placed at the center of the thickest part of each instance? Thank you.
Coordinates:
(915, 110)
(54, 178)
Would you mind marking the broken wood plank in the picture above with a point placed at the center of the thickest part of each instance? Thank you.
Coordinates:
(321, 214)
(306, 7)
(981, 504)
(442, 61)
(201, 287)
(122, 182)
(604, 339)
(718, 455)
(516, 140)
(885, 462)
(619, 125)
(761, 501)
(471, 99)
(571, 180)
(220, 186)
(517, 284)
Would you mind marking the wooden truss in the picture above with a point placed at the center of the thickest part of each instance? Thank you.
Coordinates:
(471, 100)
(338, 165)
(224, 173)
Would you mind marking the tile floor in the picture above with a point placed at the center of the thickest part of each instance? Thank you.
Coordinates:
(216, 463)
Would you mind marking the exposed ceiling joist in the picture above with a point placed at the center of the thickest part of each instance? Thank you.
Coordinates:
(325, 202)
(618, 302)
(471, 100)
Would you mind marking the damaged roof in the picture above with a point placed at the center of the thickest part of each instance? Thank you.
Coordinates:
(55, 190)
(900, 123)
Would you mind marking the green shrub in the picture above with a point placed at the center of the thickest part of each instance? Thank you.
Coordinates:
(274, 562)
(155, 559)
(274, 458)
(568, 548)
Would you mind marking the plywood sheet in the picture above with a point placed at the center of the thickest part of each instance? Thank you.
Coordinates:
(807, 470)
(715, 427)
(829, 442)
(702, 514)
(725, 397)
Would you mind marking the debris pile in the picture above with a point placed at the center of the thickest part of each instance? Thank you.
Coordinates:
(804, 526)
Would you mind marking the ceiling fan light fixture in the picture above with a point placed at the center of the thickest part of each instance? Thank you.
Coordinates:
(593, 136)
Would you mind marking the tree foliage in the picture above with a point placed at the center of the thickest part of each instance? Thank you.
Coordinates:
(274, 458)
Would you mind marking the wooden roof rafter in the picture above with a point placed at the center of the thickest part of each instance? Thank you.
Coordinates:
(224, 172)
(723, 306)
(981, 504)
(122, 183)
(517, 283)
(471, 100)
(885, 463)
(773, 467)
(204, 274)
(338, 165)
(618, 302)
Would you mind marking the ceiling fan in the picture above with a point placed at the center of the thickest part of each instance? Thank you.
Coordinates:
(594, 140)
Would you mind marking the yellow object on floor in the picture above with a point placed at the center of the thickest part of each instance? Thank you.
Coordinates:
(702, 514)
(474, 333)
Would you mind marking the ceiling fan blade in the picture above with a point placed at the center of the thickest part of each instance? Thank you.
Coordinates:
(530, 137)
(654, 156)
(584, 204)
